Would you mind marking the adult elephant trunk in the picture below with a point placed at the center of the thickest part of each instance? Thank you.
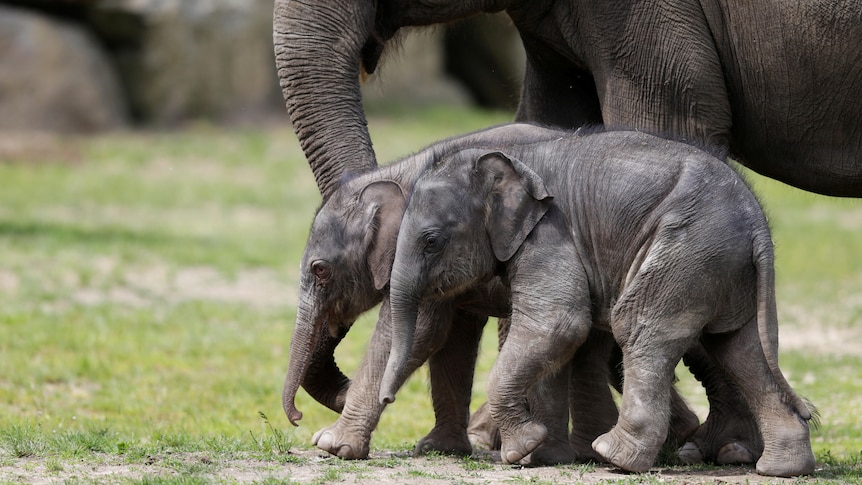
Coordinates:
(318, 47)
(405, 288)
(312, 363)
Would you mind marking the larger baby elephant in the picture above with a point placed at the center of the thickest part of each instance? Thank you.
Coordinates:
(345, 271)
(654, 241)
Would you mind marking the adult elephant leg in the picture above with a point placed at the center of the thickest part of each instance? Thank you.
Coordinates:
(549, 405)
(591, 404)
(729, 435)
(451, 371)
(483, 432)
(552, 82)
(777, 410)
(349, 437)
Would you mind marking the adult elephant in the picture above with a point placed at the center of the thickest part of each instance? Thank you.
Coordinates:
(775, 83)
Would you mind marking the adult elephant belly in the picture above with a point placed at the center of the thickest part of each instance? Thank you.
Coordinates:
(794, 91)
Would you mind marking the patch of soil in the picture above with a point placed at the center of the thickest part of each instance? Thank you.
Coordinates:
(304, 466)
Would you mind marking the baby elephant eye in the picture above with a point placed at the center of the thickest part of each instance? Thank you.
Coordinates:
(433, 243)
(322, 272)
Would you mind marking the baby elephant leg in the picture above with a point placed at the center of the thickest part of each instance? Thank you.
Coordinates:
(780, 414)
(483, 432)
(653, 342)
(591, 404)
(451, 372)
(531, 351)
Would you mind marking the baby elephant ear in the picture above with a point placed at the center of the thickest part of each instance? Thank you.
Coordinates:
(384, 202)
(517, 198)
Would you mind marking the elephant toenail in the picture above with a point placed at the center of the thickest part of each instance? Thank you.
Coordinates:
(602, 447)
(324, 441)
(512, 456)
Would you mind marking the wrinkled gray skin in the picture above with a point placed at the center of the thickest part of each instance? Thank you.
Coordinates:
(345, 272)
(346, 269)
(354, 258)
(656, 242)
(775, 83)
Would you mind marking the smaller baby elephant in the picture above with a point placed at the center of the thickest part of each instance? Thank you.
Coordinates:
(657, 242)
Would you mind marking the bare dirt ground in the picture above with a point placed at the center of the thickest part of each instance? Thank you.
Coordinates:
(314, 466)
(383, 468)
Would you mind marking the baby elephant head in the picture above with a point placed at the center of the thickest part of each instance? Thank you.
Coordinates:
(345, 266)
(467, 214)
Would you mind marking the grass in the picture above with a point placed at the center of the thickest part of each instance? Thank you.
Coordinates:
(147, 296)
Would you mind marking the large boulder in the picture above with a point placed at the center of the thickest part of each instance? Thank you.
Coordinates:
(213, 59)
(54, 76)
(183, 59)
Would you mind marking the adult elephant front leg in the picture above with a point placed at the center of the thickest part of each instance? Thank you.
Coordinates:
(451, 371)
(483, 432)
(552, 82)
(350, 436)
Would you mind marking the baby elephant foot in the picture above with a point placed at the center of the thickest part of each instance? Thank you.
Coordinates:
(621, 449)
(341, 443)
(788, 453)
(521, 441)
(450, 442)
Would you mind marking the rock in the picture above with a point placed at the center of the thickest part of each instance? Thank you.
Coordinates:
(182, 59)
(55, 77)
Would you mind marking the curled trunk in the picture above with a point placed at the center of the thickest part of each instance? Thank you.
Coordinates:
(312, 364)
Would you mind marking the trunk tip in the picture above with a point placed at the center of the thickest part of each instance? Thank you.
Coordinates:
(386, 398)
(293, 415)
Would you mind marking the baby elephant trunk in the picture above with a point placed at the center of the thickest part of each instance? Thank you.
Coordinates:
(404, 308)
(312, 364)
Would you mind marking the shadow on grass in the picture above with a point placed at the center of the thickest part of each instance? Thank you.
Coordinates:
(78, 234)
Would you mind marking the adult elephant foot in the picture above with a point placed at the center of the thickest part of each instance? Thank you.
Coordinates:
(552, 451)
(483, 432)
(521, 440)
(583, 448)
(448, 440)
(621, 449)
(342, 443)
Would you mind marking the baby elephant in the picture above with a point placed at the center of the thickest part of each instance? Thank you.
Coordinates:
(654, 241)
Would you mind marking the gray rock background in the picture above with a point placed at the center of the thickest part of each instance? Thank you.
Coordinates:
(92, 65)
(54, 76)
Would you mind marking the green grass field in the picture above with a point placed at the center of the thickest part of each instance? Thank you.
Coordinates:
(148, 285)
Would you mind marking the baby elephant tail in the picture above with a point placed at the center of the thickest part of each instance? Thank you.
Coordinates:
(767, 316)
